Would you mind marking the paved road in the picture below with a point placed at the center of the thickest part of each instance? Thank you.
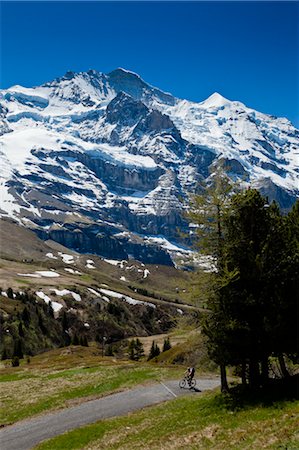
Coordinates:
(28, 433)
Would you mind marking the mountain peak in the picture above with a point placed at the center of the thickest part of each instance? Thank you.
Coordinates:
(127, 72)
(120, 72)
(69, 75)
(215, 100)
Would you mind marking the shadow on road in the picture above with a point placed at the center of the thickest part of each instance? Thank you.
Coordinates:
(195, 389)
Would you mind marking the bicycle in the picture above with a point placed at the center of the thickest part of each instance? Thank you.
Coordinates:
(185, 381)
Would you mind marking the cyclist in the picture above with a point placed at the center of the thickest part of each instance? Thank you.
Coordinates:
(190, 374)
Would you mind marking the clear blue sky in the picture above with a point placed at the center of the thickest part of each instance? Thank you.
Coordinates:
(246, 51)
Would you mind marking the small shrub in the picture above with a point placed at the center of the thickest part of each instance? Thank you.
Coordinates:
(109, 351)
(4, 354)
(15, 362)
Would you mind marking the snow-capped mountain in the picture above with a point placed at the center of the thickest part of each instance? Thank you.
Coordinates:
(100, 162)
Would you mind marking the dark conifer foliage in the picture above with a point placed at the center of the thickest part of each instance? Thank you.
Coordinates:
(254, 300)
(154, 351)
(135, 349)
(9, 292)
(166, 345)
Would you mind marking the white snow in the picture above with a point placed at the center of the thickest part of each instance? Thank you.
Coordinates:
(205, 262)
(120, 155)
(55, 118)
(43, 296)
(111, 293)
(51, 256)
(90, 264)
(126, 298)
(214, 101)
(74, 272)
(41, 273)
(93, 291)
(146, 273)
(76, 296)
(122, 278)
(32, 275)
(166, 244)
(66, 258)
(64, 292)
(113, 262)
(47, 273)
(55, 305)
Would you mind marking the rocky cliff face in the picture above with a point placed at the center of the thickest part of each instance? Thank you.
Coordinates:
(102, 163)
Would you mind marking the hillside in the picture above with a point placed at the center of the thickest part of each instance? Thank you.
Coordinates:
(51, 296)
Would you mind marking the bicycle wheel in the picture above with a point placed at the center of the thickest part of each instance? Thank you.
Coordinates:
(182, 383)
(192, 383)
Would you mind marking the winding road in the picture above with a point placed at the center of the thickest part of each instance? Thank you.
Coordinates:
(26, 434)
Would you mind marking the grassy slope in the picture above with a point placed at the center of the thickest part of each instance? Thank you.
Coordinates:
(21, 251)
(63, 377)
(208, 421)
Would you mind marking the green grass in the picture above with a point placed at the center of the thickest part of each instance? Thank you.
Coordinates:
(56, 379)
(23, 282)
(208, 421)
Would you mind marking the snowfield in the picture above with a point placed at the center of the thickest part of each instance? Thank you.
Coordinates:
(126, 298)
(41, 273)
(63, 292)
(55, 305)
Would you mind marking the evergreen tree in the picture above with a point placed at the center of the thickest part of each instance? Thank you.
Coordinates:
(135, 350)
(281, 267)
(50, 310)
(139, 351)
(21, 330)
(259, 302)
(4, 354)
(208, 212)
(9, 293)
(41, 324)
(65, 321)
(247, 227)
(26, 316)
(131, 350)
(83, 341)
(18, 349)
(75, 340)
(254, 295)
(166, 345)
(154, 351)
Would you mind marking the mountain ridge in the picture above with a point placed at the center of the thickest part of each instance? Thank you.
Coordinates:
(110, 156)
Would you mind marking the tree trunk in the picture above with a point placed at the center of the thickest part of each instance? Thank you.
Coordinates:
(265, 370)
(224, 384)
(243, 374)
(283, 366)
(254, 373)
